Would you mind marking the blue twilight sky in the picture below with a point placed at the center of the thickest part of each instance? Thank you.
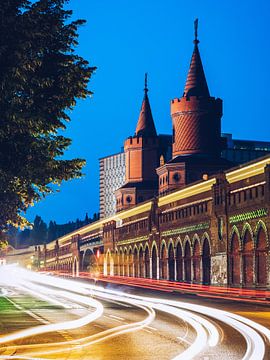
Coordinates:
(125, 39)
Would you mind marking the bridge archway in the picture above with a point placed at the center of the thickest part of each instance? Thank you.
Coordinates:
(163, 262)
(75, 267)
(147, 262)
(136, 262)
(125, 263)
(187, 261)
(141, 264)
(171, 262)
(179, 262)
(116, 263)
(248, 258)
(121, 265)
(206, 262)
(130, 263)
(235, 260)
(196, 261)
(154, 262)
(261, 257)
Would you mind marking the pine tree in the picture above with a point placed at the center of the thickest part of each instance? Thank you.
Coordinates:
(41, 78)
(39, 232)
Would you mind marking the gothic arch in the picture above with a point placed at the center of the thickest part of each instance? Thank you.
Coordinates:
(179, 241)
(171, 242)
(136, 260)
(141, 261)
(261, 225)
(130, 261)
(261, 255)
(154, 244)
(186, 239)
(235, 231)
(246, 228)
(194, 238)
(171, 259)
(163, 260)
(116, 262)
(121, 267)
(206, 237)
(187, 259)
(234, 258)
(247, 255)
(147, 261)
(206, 260)
(75, 267)
(196, 257)
(154, 259)
(179, 260)
(163, 243)
(125, 262)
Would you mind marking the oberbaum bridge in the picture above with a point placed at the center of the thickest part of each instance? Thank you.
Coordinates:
(195, 218)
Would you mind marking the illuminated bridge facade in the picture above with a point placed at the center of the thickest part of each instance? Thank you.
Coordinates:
(211, 232)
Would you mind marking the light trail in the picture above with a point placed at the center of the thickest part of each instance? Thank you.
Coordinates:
(207, 333)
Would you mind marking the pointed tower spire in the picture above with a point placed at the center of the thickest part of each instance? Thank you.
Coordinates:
(196, 84)
(145, 125)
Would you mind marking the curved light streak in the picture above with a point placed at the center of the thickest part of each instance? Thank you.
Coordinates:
(207, 332)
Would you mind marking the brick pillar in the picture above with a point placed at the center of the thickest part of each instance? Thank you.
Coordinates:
(150, 267)
(105, 267)
(157, 268)
(241, 270)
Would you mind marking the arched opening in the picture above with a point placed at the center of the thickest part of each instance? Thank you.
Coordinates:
(116, 264)
(147, 262)
(235, 260)
(187, 262)
(248, 259)
(125, 262)
(136, 262)
(121, 262)
(75, 267)
(171, 262)
(154, 262)
(179, 263)
(261, 257)
(89, 261)
(206, 262)
(163, 263)
(141, 265)
(108, 266)
(130, 264)
(196, 262)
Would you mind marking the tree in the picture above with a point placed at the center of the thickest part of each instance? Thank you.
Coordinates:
(41, 79)
(39, 232)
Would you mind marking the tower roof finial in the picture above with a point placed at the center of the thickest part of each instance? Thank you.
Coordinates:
(196, 84)
(145, 125)
(196, 41)
(145, 83)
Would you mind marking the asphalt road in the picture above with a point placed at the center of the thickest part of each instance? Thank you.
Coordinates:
(124, 323)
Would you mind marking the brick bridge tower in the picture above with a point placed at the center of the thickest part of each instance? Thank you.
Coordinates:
(196, 142)
(142, 159)
(196, 116)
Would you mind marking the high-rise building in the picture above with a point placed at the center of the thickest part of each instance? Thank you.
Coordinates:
(112, 171)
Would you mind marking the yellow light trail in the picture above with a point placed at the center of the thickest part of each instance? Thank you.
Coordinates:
(57, 289)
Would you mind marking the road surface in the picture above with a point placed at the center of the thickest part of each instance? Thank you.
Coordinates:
(45, 317)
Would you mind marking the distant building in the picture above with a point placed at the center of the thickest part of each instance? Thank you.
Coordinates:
(241, 151)
(111, 177)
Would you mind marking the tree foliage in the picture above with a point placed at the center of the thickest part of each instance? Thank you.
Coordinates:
(41, 233)
(41, 78)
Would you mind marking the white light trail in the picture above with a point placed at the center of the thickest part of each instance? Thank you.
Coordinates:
(207, 333)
